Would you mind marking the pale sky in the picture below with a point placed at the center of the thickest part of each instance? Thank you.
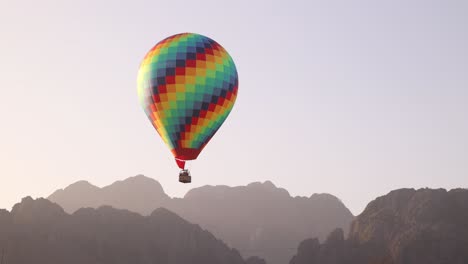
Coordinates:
(352, 98)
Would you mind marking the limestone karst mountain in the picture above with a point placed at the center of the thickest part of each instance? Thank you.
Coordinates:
(259, 219)
(405, 226)
(40, 232)
(138, 194)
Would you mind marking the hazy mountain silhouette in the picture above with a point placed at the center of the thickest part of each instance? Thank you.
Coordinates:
(261, 219)
(403, 227)
(258, 219)
(139, 194)
(40, 232)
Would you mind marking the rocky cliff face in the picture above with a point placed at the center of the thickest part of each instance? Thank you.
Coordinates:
(405, 226)
(259, 219)
(38, 231)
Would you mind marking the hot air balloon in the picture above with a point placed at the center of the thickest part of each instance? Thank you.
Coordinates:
(187, 86)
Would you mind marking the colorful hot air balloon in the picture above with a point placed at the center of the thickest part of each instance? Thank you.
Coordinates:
(187, 86)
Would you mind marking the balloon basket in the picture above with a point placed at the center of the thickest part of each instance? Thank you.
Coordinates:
(184, 176)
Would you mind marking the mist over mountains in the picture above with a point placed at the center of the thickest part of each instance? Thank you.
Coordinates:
(40, 232)
(405, 226)
(138, 194)
(259, 219)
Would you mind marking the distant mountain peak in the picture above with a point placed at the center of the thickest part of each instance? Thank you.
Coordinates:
(36, 211)
(77, 187)
(140, 178)
(223, 191)
(26, 200)
(325, 197)
(134, 192)
(269, 187)
(80, 185)
(139, 181)
(266, 184)
(28, 203)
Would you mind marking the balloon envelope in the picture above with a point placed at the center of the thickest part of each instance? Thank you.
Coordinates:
(187, 86)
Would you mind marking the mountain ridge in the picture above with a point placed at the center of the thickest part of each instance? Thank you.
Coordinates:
(405, 226)
(39, 231)
(255, 218)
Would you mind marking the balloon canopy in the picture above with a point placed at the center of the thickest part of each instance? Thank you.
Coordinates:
(187, 86)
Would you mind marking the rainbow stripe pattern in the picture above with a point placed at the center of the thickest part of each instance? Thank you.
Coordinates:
(187, 86)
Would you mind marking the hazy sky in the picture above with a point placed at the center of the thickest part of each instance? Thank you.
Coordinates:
(352, 98)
